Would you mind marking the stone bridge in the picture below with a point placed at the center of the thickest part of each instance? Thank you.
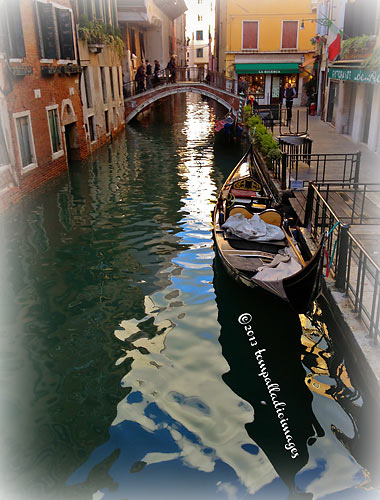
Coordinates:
(135, 104)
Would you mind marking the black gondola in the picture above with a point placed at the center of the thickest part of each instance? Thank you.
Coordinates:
(254, 244)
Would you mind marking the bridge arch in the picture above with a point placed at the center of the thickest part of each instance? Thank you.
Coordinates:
(135, 104)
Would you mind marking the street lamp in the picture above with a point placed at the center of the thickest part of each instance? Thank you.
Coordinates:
(324, 21)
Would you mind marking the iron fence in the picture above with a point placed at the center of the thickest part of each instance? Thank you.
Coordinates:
(356, 273)
(360, 201)
(342, 168)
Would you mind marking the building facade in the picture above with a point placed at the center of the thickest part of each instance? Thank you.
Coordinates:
(200, 27)
(353, 87)
(151, 30)
(100, 50)
(41, 110)
(266, 44)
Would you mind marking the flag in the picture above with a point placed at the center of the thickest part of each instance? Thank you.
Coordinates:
(334, 47)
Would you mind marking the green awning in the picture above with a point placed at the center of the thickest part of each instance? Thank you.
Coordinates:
(269, 68)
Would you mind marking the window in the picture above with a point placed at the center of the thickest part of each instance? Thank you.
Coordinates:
(104, 83)
(107, 121)
(114, 118)
(111, 83)
(99, 9)
(91, 127)
(142, 46)
(4, 156)
(87, 86)
(55, 26)
(89, 9)
(289, 34)
(54, 128)
(119, 80)
(25, 139)
(132, 41)
(12, 36)
(199, 35)
(250, 34)
(199, 53)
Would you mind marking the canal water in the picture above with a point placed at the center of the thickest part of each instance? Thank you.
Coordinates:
(127, 372)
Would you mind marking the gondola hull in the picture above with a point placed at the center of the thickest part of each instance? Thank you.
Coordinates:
(257, 263)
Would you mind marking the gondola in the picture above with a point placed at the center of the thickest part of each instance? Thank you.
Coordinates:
(256, 246)
(228, 126)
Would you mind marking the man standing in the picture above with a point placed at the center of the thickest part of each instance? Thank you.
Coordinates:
(289, 94)
(139, 79)
(148, 72)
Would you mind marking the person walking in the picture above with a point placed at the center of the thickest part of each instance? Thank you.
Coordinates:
(148, 72)
(140, 78)
(171, 67)
(289, 94)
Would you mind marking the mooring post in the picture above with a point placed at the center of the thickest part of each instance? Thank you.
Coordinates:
(340, 277)
(284, 161)
(309, 205)
(357, 167)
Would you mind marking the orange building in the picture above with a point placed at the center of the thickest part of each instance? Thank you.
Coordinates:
(268, 44)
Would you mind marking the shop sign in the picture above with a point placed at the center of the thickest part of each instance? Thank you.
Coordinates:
(355, 75)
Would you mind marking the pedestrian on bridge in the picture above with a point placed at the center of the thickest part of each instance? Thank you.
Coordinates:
(149, 76)
(171, 67)
(140, 79)
(156, 73)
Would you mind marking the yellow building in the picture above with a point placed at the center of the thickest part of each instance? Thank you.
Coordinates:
(267, 43)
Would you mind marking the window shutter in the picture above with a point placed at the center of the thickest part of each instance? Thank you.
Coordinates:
(46, 17)
(16, 35)
(289, 34)
(250, 29)
(65, 30)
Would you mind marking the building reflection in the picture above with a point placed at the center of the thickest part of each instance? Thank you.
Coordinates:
(329, 377)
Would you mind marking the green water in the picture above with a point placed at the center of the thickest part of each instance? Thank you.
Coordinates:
(125, 371)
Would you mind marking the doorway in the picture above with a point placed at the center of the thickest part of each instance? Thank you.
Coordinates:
(72, 150)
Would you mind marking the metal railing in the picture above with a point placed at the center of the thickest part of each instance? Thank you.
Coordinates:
(361, 201)
(355, 271)
(182, 74)
(342, 168)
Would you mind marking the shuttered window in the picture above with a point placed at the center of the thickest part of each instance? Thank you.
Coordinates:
(55, 134)
(47, 29)
(289, 34)
(111, 83)
(56, 32)
(65, 32)
(24, 136)
(250, 32)
(11, 29)
(4, 156)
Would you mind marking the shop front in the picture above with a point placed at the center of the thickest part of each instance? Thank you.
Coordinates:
(354, 93)
(267, 81)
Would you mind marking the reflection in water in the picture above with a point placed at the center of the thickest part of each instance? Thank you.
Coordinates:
(328, 377)
(284, 425)
(117, 379)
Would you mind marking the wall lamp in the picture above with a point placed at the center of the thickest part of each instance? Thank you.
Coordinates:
(325, 21)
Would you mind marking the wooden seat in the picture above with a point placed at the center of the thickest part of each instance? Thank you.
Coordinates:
(271, 216)
(240, 210)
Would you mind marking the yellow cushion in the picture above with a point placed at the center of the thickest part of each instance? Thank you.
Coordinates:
(240, 210)
(271, 217)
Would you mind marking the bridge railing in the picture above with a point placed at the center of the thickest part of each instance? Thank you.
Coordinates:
(182, 74)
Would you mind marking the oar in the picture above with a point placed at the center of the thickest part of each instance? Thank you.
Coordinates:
(294, 248)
